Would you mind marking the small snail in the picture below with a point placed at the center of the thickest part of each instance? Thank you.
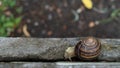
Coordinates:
(86, 49)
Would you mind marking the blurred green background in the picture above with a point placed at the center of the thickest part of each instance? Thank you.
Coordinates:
(60, 18)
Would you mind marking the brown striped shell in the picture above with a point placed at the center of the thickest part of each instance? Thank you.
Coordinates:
(88, 48)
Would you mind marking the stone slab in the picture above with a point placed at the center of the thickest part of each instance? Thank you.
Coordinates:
(58, 65)
(38, 49)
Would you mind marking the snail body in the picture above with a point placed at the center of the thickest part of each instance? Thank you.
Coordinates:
(86, 49)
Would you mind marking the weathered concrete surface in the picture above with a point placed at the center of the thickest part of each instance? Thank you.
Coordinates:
(58, 65)
(21, 49)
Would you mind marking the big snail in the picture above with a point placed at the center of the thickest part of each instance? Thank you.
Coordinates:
(86, 49)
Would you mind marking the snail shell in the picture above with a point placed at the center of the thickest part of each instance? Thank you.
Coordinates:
(88, 48)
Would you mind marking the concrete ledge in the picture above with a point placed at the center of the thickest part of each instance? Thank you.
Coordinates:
(58, 65)
(23, 49)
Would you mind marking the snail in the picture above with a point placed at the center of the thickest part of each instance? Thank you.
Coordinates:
(86, 49)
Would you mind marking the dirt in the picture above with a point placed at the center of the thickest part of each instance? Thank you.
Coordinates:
(67, 18)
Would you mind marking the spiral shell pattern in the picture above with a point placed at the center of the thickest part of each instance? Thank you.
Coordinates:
(88, 48)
